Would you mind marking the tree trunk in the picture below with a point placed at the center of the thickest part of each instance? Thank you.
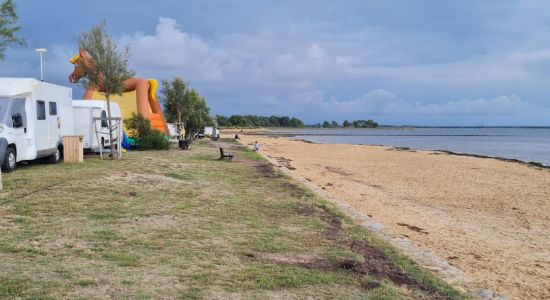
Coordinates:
(180, 136)
(113, 153)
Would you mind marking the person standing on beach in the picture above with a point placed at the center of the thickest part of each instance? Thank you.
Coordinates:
(256, 146)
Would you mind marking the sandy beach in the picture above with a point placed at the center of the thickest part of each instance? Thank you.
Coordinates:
(487, 217)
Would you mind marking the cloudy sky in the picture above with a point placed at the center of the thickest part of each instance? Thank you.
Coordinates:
(425, 62)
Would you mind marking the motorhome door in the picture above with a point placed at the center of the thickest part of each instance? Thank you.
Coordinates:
(47, 131)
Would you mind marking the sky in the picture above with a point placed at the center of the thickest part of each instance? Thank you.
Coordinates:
(399, 62)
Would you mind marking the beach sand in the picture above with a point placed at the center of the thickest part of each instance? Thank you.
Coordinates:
(487, 217)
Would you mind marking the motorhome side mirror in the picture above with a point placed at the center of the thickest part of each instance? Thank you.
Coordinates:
(17, 120)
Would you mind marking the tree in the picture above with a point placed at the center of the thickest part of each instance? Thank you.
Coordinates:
(274, 121)
(326, 124)
(365, 124)
(295, 122)
(223, 121)
(186, 106)
(110, 68)
(175, 105)
(237, 120)
(371, 124)
(334, 124)
(8, 27)
(199, 114)
(346, 124)
(284, 121)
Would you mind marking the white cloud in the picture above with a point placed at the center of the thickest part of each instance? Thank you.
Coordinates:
(382, 102)
(315, 70)
(172, 50)
(385, 106)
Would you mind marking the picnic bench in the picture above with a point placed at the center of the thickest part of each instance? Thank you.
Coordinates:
(224, 154)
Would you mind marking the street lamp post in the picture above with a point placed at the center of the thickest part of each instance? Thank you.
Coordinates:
(41, 52)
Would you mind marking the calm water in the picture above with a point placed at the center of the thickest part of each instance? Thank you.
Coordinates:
(526, 144)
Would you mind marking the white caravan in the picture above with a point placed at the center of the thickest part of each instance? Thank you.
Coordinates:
(84, 111)
(34, 115)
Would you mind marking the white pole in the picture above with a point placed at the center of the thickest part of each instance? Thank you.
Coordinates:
(41, 68)
(41, 52)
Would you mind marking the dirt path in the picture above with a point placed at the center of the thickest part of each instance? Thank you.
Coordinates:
(489, 218)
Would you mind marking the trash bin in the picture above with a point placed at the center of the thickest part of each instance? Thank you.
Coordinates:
(73, 149)
(183, 144)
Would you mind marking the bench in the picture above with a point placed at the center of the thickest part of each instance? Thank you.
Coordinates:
(225, 154)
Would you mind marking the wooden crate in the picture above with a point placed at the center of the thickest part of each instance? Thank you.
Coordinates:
(73, 149)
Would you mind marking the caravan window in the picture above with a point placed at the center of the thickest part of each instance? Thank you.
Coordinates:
(40, 110)
(53, 109)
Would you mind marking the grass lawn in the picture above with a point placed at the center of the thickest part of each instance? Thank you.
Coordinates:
(183, 224)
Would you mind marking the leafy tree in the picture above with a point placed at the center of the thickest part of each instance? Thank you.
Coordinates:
(238, 120)
(284, 121)
(371, 124)
(223, 121)
(365, 124)
(334, 124)
(185, 106)
(346, 124)
(295, 122)
(198, 116)
(110, 68)
(173, 95)
(8, 27)
(274, 121)
(326, 124)
(258, 121)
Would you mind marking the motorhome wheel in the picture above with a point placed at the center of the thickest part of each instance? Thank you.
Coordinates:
(56, 157)
(10, 161)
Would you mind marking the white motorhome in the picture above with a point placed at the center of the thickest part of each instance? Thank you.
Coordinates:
(84, 111)
(34, 115)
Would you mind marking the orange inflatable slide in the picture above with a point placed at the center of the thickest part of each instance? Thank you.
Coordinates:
(139, 96)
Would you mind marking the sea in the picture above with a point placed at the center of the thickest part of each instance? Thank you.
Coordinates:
(527, 144)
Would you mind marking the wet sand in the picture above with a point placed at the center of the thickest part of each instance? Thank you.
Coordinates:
(487, 217)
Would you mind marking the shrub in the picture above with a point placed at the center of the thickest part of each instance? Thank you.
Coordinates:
(146, 137)
(138, 126)
(154, 140)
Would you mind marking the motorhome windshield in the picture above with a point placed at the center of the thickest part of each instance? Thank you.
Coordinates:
(10, 107)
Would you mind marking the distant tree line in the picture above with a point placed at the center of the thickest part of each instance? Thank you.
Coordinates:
(258, 121)
(347, 124)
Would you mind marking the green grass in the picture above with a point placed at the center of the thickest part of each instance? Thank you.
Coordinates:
(183, 224)
(10, 287)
